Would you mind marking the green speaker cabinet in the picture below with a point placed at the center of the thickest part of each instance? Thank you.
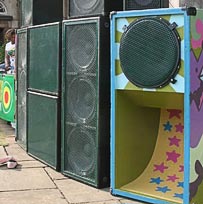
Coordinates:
(35, 12)
(43, 140)
(21, 106)
(85, 106)
(44, 93)
(44, 58)
(156, 105)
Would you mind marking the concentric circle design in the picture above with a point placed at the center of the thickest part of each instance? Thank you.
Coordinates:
(81, 152)
(82, 47)
(7, 97)
(81, 100)
(150, 52)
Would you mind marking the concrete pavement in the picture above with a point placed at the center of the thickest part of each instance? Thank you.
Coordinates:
(33, 182)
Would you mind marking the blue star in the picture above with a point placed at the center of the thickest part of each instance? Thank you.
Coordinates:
(156, 180)
(163, 189)
(180, 184)
(177, 195)
(167, 126)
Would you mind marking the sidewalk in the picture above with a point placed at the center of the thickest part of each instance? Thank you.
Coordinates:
(33, 182)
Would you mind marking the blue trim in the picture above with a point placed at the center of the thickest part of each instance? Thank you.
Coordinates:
(167, 11)
(149, 12)
(113, 57)
(139, 197)
(187, 110)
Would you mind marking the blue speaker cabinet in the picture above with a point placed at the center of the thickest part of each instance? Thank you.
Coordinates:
(156, 105)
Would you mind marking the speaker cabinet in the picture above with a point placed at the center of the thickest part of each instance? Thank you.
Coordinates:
(44, 93)
(145, 4)
(83, 8)
(21, 64)
(43, 128)
(156, 106)
(85, 138)
(35, 12)
(44, 48)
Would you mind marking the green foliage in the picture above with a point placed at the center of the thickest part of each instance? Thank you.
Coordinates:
(2, 51)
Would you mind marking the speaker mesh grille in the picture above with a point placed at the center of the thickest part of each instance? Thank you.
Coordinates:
(81, 99)
(150, 52)
(21, 86)
(86, 7)
(81, 46)
(81, 151)
(26, 12)
(142, 4)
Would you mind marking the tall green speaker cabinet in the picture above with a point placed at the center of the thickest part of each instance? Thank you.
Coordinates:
(43, 93)
(85, 101)
(21, 106)
(156, 105)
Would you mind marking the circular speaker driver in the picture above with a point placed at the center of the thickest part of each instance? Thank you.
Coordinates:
(82, 48)
(81, 100)
(86, 6)
(150, 52)
(81, 152)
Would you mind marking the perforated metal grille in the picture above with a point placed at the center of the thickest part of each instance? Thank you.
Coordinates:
(150, 52)
(81, 153)
(142, 4)
(86, 7)
(81, 48)
(81, 100)
(22, 86)
(81, 92)
(26, 12)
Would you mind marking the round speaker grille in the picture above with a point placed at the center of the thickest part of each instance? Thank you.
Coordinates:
(81, 152)
(140, 4)
(81, 100)
(82, 47)
(86, 6)
(150, 52)
(144, 3)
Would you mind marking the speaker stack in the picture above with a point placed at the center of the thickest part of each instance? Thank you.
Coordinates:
(39, 79)
(36, 12)
(86, 91)
(146, 4)
(21, 106)
(156, 107)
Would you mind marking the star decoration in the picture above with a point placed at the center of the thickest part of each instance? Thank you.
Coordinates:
(174, 141)
(174, 113)
(172, 156)
(163, 189)
(181, 168)
(177, 195)
(180, 184)
(167, 126)
(160, 167)
(156, 180)
(172, 178)
(179, 128)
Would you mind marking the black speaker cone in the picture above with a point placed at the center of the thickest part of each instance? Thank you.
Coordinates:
(82, 46)
(81, 152)
(150, 52)
(85, 7)
(81, 100)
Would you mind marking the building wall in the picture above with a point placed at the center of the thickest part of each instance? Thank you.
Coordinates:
(12, 9)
